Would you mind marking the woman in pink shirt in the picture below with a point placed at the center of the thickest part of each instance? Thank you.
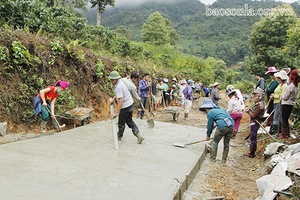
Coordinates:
(287, 102)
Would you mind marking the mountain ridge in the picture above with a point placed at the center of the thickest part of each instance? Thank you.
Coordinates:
(222, 37)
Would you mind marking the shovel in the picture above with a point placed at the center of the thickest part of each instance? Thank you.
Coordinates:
(184, 145)
(114, 127)
(55, 120)
(150, 121)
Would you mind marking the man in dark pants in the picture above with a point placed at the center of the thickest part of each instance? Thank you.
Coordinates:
(143, 92)
(125, 106)
(224, 125)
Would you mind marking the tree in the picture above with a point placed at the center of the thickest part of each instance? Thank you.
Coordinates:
(268, 38)
(71, 4)
(101, 4)
(292, 49)
(174, 37)
(155, 30)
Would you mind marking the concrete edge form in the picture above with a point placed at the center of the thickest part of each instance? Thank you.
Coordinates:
(189, 178)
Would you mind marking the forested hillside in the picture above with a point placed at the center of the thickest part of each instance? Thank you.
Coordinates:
(222, 37)
(41, 43)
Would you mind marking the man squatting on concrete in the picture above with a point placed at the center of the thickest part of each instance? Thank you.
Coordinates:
(224, 125)
(125, 106)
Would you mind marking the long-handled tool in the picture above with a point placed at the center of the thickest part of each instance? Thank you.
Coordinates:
(114, 127)
(246, 138)
(150, 121)
(184, 145)
(55, 120)
(264, 129)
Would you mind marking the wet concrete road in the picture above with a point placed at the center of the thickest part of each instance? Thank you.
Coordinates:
(82, 164)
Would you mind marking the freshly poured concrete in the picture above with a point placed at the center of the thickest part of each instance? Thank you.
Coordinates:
(82, 164)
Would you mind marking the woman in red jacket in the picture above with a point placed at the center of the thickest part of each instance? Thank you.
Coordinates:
(46, 99)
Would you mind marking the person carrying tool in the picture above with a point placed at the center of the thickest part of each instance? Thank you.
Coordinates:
(288, 100)
(188, 101)
(281, 77)
(224, 130)
(256, 116)
(166, 97)
(215, 94)
(153, 93)
(181, 88)
(45, 102)
(235, 110)
(270, 89)
(129, 82)
(143, 93)
(159, 92)
(124, 108)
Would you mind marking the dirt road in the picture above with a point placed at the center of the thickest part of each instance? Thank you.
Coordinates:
(236, 178)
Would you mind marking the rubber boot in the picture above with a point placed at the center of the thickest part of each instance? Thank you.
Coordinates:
(138, 114)
(284, 133)
(55, 125)
(288, 132)
(186, 116)
(43, 126)
(213, 155)
(224, 156)
(252, 151)
(234, 134)
(139, 138)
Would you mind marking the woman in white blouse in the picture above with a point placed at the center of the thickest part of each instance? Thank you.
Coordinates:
(235, 109)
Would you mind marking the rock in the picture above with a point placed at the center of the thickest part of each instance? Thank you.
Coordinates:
(3, 126)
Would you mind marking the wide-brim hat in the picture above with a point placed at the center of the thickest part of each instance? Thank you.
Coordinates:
(183, 81)
(174, 79)
(207, 103)
(165, 80)
(215, 84)
(114, 75)
(230, 91)
(190, 81)
(272, 70)
(258, 91)
(230, 87)
(282, 75)
(287, 70)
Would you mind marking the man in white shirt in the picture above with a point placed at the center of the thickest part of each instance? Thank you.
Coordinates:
(124, 107)
(129, 82)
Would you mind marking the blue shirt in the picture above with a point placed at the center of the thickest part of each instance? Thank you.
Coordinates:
(188, 92)
(143, 88)
(217, 115)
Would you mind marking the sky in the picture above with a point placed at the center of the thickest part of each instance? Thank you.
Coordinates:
(126, 2)
(211, 1)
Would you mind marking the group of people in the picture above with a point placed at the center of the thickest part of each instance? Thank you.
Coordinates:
(281, 96)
